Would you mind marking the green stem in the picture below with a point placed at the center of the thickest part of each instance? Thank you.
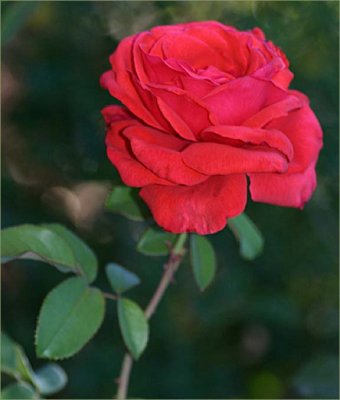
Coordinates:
(170, 268)
(179, 244)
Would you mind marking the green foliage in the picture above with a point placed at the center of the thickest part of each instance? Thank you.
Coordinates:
(70, 315)
(203, 260)
(85, 258)
(19, 390)
(49, 379)
(9, 362)
(120, 278)
(51, 243)
(125, 201)
(249, 236)
(133, 325)
(37, 243)
(155, 242)
(14, 361)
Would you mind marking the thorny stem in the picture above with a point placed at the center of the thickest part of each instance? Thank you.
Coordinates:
(170, 268)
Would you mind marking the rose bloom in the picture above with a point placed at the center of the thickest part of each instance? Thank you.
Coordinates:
(207, 106)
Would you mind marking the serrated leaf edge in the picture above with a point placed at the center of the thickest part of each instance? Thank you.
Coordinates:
(133, 354)
(70, 355)
(44, 259)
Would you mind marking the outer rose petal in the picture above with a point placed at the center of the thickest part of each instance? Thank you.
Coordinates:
(304, 131)
(125, 92)
(154, 136)
(150, 102)
(161, 153)
(288, 190)
(203, 208)
(115, 113)
(132, 172)
(121, 83)
(283, 78)
(294, 188)
(166, 163)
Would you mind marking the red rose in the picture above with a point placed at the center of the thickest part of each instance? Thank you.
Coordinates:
(207, 106)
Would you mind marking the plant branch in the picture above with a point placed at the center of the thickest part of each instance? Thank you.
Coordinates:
(110, 296)
(176, 256)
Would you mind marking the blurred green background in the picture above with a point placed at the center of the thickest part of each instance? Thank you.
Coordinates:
(264, 329)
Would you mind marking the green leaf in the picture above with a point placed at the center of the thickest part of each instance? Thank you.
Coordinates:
(49, 379)
(70, 315)
(125, 201)
(249, 236)
(203, 260)
(24, 366)
(37, 243)
(14, 361)
(14, 17)
(8, 356)
(85, 257)
(155, 242)
(133, 325)
(120, 278)
(19, 390)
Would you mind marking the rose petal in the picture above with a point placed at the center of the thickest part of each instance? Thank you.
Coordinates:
(115, 113)
(272, 138)
(131, 171)
(154, 136)
(304, 131)
(120, 85)
(273, 111)
(177, 123)
(166, 163)
(217, 159)
(150, 102)
(160, 152)
(227, 42)
(295, 187)
(203, 208)
(236, 101)
(179, 74)
(288, 190)
(183, 46)
(125, 91)
(283, 78)
(276, 71)
(193, 112)
(258, 32)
